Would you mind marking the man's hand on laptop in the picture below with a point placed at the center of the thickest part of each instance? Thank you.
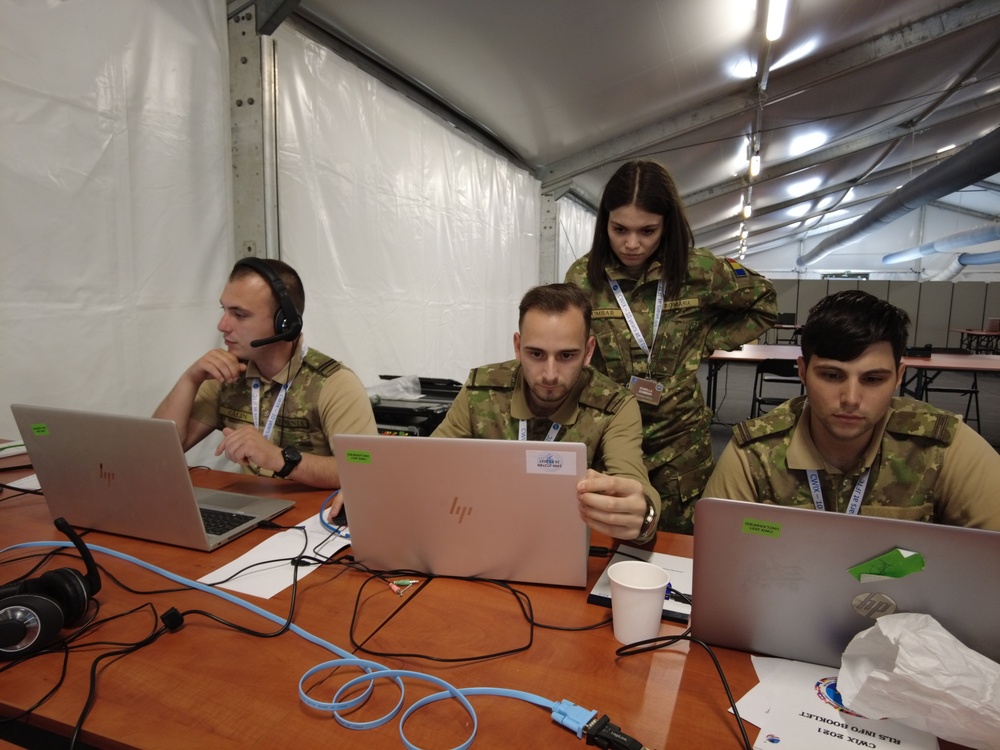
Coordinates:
(247, 447)
(615, 506)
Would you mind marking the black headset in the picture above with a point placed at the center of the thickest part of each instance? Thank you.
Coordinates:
(33, 611)
(287, 321)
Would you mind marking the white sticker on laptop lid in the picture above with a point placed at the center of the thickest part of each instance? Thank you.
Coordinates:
(550, 462)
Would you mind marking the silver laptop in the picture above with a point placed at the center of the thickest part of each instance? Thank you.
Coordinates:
(775, 580)
(127, 475)
(499, 509)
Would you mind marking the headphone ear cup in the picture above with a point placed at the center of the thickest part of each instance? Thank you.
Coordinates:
(280, 322)
(41, 617)
(69, 588)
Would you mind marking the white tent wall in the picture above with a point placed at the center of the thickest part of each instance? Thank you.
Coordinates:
(115, 198)
(415, 243)
(576, 233)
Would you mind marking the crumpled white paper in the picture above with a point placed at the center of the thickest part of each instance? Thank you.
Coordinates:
(403, 388)
(910, 669)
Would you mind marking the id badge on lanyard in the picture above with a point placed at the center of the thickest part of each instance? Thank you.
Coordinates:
(645, 390)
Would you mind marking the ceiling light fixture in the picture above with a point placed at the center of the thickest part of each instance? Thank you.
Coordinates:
(755, 164)
(776, 10)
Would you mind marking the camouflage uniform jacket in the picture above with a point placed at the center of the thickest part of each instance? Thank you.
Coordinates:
(926, 465)
(721, 305)
(325, 398)
(597, 412)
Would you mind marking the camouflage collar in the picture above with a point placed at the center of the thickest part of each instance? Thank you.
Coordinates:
(617, 271)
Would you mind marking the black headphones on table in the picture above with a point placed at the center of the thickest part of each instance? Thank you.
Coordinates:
(33, 611)
(287, 321)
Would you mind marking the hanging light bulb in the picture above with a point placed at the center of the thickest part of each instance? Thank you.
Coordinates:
(755, 164)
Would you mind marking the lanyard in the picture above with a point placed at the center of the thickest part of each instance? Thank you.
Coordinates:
(856, 497)
(633, 326)
(522, 430)
(275, 409)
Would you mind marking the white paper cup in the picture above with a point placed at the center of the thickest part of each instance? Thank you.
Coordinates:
(637, 591)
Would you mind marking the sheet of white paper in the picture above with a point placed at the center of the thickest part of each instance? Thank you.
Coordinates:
(267, 580)
(804, 713)
(12, 449)
(26, 483)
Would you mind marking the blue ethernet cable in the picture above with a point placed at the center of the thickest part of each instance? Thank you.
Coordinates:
(599, 731)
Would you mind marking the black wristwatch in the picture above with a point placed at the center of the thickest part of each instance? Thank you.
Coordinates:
(292, 459)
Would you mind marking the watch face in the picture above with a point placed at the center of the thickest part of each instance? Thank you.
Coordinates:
(291, 453)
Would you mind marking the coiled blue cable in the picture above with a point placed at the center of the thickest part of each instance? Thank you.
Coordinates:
(372, 670)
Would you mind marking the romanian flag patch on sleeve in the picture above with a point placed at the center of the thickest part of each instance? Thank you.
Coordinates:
(738, 270)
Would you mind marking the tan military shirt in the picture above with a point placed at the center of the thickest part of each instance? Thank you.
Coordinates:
(925, 465)
(597, 413)
(324, 399)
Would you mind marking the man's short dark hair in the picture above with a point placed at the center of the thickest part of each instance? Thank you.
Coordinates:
(556, 298)
(287, 274)
(842, 325)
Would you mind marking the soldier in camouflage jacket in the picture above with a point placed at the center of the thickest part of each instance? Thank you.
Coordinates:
(643, 257)
(277, 402)
(849, 445)
(550, 393)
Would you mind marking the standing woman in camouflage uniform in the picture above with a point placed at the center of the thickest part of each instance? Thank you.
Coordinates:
(661, 306)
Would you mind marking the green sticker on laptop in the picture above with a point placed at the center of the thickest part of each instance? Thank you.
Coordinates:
(358, 457)
(761, 528)
(897, 563)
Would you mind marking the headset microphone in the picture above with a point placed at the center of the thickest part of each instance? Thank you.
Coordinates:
(289, 334)
(93, 577)
(33, 611)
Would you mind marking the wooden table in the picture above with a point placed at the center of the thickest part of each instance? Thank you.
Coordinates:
(209, 686)
(980, 342)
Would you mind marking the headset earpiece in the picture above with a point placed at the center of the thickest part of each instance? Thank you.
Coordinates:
(69, 588)
(32, 612)
(30, 623)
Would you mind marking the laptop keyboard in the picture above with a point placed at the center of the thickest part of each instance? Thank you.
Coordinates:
(219, 522)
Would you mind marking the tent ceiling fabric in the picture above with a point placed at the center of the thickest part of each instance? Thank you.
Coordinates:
(853, 101)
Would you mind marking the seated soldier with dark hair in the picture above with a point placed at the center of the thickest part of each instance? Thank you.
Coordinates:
(850, 445)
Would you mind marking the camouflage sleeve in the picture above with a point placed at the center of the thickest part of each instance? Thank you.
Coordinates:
(966, 487)
(732, 477)
(745, 304)
(457, 422)
(344, 406)
(206, 404)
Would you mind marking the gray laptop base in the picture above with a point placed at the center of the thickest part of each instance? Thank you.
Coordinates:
(498, 509)
(773, 580)
(127, 475)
